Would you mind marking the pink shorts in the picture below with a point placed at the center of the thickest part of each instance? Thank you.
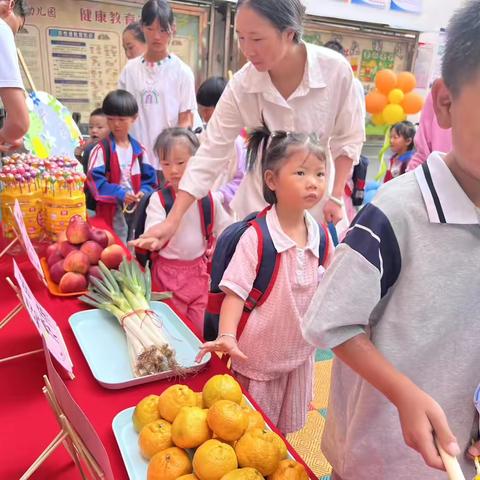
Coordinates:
(188, 281)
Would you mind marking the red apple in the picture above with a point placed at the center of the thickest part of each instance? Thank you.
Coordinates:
(92, 250)
(76, 262)
(73, 282)
(61, 237)
(66, 247)
(111, 238)
(112, 256)
(51, 249)
(78, 230)
(57, 271)
(94, 271)
(53, 258)
(99, 236)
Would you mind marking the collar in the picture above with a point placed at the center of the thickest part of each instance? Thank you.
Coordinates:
(260, 82)
(444, 198)
(283, 242)
(136, 147)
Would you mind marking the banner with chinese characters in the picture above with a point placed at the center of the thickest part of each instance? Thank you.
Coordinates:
(73, 48)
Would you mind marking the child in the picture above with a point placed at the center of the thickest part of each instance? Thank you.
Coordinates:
(229, 180)
(271, 359)
(119, 173)
(133, 40)
(401, 144)
(181, 266)
(97, 130)
(399, 303)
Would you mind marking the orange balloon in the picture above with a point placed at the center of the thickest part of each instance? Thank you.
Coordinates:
(386, 80)
(406, 81)
(376, 102)
(412, 103)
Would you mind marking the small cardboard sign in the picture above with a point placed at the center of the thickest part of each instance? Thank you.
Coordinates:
(32, 254)
(46, 325)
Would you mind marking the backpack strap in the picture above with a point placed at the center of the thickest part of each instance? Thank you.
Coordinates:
(167, 197)
(267, 270)
(107, 153)
(207, 215)
(326, 231)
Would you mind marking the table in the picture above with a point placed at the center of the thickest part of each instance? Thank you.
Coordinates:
(27, 423)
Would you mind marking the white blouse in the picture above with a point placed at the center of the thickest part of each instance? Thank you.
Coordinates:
(326, 103)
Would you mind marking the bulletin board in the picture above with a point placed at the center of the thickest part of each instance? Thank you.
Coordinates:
(73, 49)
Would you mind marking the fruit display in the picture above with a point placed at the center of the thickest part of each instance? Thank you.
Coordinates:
(226, 441)
(74, 258)
(126, 293)
(49, 191)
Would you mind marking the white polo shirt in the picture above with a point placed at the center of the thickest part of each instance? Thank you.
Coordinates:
(326, 102)
(406, 275)
(163, 90)
(10, 71)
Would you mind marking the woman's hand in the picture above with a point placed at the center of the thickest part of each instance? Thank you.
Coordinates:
(146, 243)
(161, 233)
(422, 418)
(224, 344)
(332, 212)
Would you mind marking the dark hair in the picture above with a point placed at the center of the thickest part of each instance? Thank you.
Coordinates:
(461, 58)
(158, 10)
(20, 8)
(120, 103)
(275, 147)
(335, 45)
(283, 14)
(98, 112)
(169, 136)
(137, 31)
(406, 130)
(210, 91)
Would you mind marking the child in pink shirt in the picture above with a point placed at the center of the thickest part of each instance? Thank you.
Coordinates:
(271, 359)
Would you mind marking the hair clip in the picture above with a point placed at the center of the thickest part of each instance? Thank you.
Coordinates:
(279, 134)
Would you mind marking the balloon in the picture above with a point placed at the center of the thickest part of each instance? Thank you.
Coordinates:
(386, 80)
(412, 103)
(378, 120)
(375, 102)
(406, 81)
(393, 113)
(396, 96)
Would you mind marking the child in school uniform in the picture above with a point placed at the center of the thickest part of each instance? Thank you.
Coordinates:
(181, 265)
(401, 144)
(270, 358)
(399, 303)
(119, 173)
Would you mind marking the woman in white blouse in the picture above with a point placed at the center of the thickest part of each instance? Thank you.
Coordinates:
(289, 85)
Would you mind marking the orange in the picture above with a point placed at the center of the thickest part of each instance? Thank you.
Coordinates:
(155, 437)
(221, 387)
(190, 428)
(227, 420)
(282, 448)
(213, 460)
(190, 476)
(173, 399)
(145, 412)
(255, 419)
(258, 449)
(243, 474)
(169, 464)
(289, 470)
(199, 399)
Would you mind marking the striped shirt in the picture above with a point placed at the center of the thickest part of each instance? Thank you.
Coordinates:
(408, 273)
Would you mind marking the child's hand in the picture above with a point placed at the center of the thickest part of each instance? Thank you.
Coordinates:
(474, 450)
(139, 196)
(422, 418)
(222, 344)
(147, 243)
(332, 212)
(130, 198)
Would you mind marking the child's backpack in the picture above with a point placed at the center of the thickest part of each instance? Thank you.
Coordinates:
(359, 178)
(267, 269)
(167, 197)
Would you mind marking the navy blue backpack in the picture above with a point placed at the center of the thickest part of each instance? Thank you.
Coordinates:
(267, 269)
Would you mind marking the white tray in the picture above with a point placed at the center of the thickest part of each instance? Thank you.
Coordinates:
(127, 440)
(104, 345)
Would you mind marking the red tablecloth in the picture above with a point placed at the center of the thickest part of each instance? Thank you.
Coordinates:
(27, 424)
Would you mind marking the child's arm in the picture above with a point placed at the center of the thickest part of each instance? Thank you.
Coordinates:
(101, 188)
(421, 416)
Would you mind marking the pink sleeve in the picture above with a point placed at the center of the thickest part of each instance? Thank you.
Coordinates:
(423, 137)
(242, 269)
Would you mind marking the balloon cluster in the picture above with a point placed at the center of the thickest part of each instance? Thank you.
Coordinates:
(394, 98)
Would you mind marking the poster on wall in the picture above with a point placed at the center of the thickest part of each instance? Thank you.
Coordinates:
(384, 4)
(372, 62)
(407, 6)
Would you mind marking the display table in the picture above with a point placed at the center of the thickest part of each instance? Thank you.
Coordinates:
(27, 423)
